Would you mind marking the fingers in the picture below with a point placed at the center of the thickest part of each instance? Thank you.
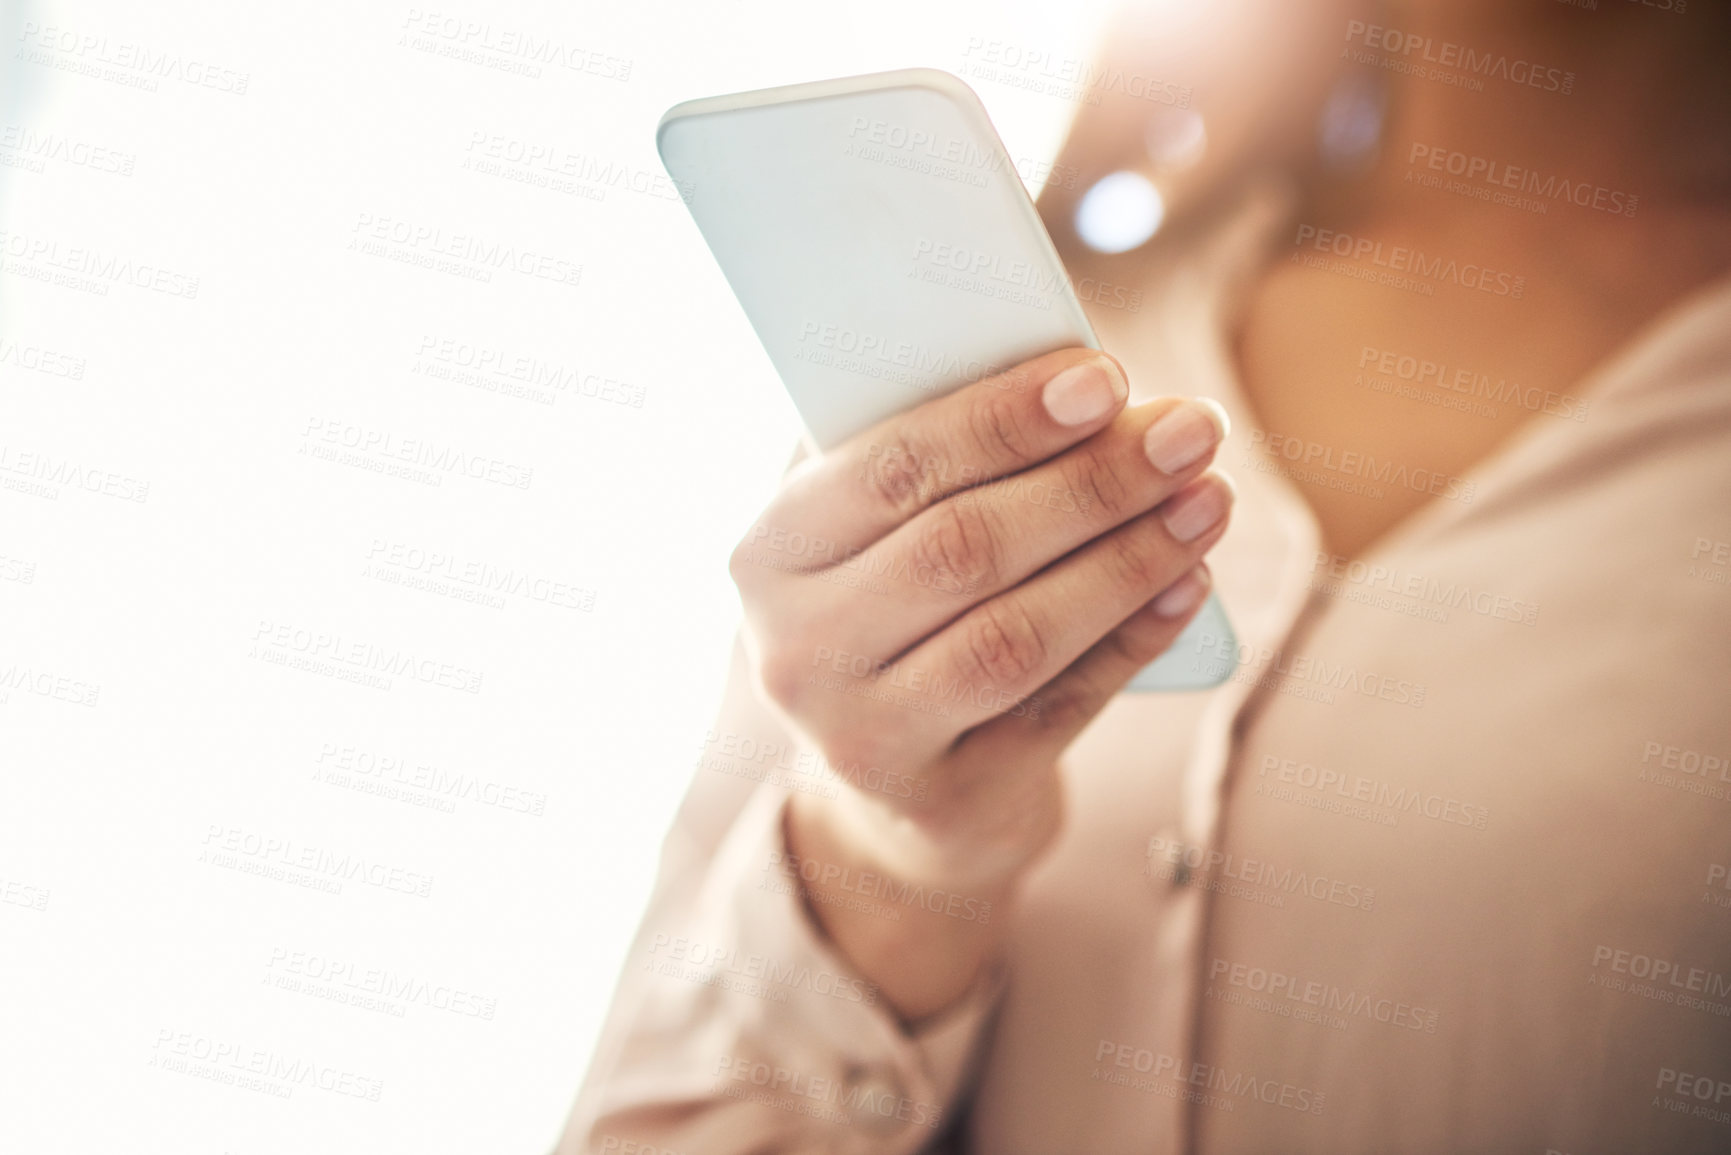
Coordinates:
(997, 654)
(866, 486)
(989, 538)
(1071, 700)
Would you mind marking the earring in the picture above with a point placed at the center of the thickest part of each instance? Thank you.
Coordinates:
(1349, 129)
(1175, 139)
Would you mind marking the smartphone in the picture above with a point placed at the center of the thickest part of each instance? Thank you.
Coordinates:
(886, 252)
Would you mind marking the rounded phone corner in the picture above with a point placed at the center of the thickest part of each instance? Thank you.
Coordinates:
(1202, 657)
(937, 80)
(940, 80)
(679, 112)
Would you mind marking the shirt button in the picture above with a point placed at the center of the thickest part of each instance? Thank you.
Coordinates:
(1166, 859)
(875, 1100)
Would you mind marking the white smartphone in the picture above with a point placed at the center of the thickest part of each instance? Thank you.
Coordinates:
(886, 252)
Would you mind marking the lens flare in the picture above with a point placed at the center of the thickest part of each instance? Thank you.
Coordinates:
(1121, 211)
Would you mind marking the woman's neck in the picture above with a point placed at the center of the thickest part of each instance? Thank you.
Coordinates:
(1646, 111)
(1617, 191)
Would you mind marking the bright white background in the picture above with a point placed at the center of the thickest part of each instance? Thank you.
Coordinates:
(155, 756)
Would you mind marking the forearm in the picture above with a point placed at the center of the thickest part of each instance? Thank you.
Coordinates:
(922, 938)
(675, 1050)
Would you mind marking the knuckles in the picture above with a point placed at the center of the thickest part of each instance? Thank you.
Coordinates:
(1090, 472)
(855, 746)
(895, 475)
(848, 733)
(958, 540)
(742, 564)
(1133, 563)
(1002, 647)
(781, 678)
(999, 430)
(1142, 638)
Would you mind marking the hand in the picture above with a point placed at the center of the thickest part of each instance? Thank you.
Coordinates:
(947, 599)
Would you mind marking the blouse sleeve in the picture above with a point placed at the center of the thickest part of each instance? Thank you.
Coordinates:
(736, 1026)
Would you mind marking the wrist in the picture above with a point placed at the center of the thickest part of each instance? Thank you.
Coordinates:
(923, 943)
(959, 848)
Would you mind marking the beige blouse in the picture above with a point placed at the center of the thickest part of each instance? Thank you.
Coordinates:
(1442, 867)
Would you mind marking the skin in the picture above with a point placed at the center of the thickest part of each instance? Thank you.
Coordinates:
(1649, 107)
(1055, 609)
(1056, 618)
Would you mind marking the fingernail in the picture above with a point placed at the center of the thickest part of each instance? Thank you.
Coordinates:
(1183, 595)
(1184, 434)
(1198, 509)
(1084, 393)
